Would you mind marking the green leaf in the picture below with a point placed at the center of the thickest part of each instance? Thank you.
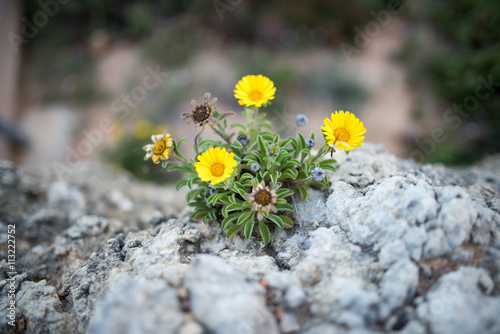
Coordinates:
(290, 173)
(177, 145)
(233, 216)
(264, 232)
(233, 207)
(284, 207)
(301, 139)
(292, 163)
(303, 192)
(328, 164)
(249, 228)
(267, 124)
(276, 140)
(260, 116)
(284, 193)
(192, 194)
(180, 184)
(182, 168)
(244, 217)
(224, 199)
(258, 155)
(233, 230)
(212, 200)
(284, 157)
(330, 168)
(262, 145)
(276, 219)
(245, 176)
(236, 145)
(286, 142)
(287, 221)
(239, 186)
(213, 214)
(190, 182)
(274, 177)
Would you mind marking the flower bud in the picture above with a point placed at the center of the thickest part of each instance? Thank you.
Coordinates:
(310, 142)
(303, 243)
(254, 167)
(243, 139)
(212, 191)
(273, 150)
(318, 174)
(301, 119)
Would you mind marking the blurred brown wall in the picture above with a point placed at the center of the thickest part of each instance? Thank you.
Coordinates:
(10, 11)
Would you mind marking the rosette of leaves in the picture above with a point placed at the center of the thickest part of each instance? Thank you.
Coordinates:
(285, 166)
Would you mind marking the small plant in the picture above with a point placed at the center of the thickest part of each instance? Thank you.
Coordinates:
(248, 179)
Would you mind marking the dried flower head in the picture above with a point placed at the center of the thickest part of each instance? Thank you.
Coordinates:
(203, 113)
(160, 149)
(301, 119)
(263, 198)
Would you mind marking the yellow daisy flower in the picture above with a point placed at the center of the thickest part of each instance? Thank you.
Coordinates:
(254, 90)
(215, 165)
(160, 149)
(344, 130)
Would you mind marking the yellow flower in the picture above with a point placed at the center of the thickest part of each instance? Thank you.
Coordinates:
(215, 165)
(160, 149)
(142, 129)
(344, 130)
(254, 90)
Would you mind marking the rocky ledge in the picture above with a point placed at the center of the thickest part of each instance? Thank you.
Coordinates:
(395, 247)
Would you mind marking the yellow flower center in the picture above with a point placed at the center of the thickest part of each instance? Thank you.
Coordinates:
(160, 147)
(341, 134)
(263, 197)
(255, 95)
(217, 169)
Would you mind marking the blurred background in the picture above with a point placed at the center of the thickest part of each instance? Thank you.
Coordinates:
(423, 76)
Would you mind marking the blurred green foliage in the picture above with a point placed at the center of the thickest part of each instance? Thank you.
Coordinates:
(465, 46)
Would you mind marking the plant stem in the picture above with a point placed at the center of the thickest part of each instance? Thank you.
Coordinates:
(222, 135)
(320, 153)
(303, 180)
(298, 216)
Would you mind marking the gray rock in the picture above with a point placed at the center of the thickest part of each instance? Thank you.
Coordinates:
(224, 300)
(39, 304)
(392, 252)
(136, 305)
(398, 285)
(87, 226)
(395, 247)
(456, 304)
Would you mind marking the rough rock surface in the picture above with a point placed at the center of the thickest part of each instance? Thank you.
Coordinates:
(395, 247)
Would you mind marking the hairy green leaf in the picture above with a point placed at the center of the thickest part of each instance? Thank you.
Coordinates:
(264, 232)
(249, 228)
